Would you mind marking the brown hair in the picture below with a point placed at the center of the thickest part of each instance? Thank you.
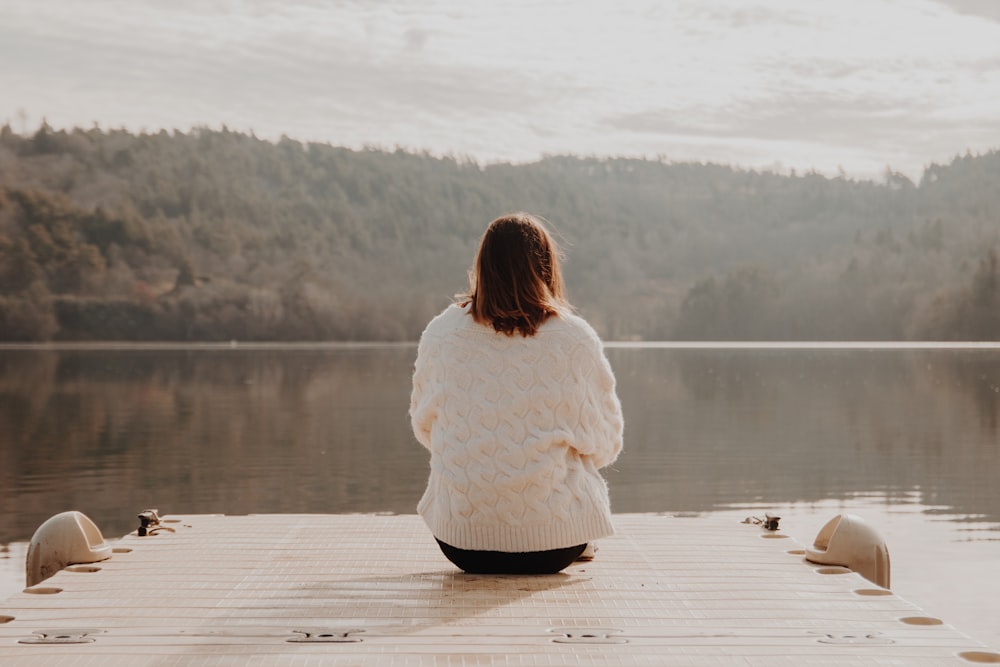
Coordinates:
(516, 283)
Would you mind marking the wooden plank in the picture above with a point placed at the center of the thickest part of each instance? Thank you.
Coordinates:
(375, 590)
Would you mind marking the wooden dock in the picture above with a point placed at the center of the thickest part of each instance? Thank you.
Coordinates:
(316, 590)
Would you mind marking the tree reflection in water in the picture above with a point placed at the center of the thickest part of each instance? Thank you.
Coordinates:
(325, 429)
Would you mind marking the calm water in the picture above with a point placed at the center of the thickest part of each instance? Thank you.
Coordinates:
(907, 438)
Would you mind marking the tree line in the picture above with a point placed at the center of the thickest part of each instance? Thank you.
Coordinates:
(217, 235)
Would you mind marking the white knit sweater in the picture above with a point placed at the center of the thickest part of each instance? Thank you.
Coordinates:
(517, 429)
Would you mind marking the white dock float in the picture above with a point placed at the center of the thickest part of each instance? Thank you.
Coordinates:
(316, 590)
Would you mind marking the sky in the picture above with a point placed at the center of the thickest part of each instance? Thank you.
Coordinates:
(852, 85)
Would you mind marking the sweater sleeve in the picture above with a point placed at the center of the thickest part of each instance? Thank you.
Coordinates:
(600, 427)
(426, 394)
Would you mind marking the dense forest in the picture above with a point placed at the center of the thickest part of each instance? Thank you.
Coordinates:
(214, 235)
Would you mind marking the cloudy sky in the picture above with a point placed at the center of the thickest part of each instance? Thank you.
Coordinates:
(852, 84)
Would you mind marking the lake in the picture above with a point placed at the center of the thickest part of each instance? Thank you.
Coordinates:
(906, 437)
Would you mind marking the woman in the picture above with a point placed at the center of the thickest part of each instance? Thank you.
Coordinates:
(515, 400)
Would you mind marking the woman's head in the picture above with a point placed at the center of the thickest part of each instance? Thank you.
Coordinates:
(516, 283)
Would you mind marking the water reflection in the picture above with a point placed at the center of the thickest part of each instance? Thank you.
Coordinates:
(325, 430)
(189, 431)
(709, 428)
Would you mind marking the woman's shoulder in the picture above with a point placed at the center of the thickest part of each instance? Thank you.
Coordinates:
(453, 318)
(569, 324)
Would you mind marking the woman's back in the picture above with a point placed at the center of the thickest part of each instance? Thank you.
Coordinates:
(517, 426)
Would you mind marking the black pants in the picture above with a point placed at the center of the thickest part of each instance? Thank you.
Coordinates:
(503, 562)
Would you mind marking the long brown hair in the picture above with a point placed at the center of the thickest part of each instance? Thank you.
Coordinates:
(516, 283)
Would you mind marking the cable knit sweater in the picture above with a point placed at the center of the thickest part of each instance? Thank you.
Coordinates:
(517, 429)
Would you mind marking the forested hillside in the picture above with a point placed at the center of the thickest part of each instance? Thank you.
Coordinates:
(216, 235)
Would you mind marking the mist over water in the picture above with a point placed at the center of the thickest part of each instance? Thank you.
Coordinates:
(907, 438)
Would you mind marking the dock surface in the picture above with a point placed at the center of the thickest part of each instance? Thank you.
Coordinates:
(313, 590)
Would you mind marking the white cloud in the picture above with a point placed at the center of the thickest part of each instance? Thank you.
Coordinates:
(803, 82)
